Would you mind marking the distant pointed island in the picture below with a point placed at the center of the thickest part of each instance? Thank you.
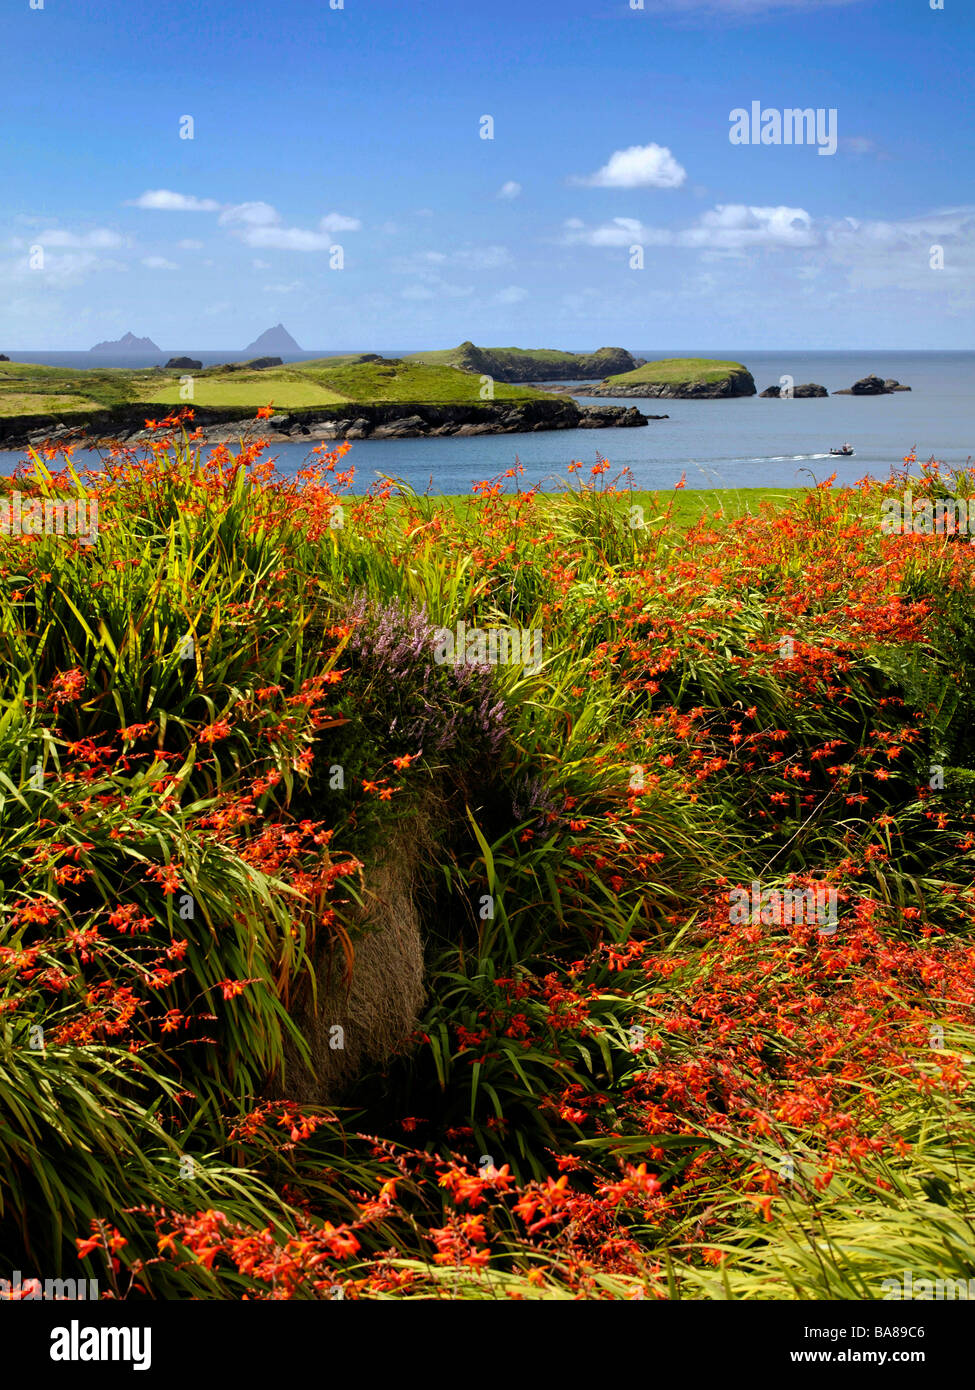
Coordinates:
(273, 341)
(128, 343)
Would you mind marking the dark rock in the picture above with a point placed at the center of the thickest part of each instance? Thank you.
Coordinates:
(188, 364)
(872, 386)
(800, 393)
(869, 386)
(410, 425)
(278, 422)
(4, 357)
(259, 364)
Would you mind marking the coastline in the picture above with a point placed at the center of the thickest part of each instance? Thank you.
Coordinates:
(384, 420)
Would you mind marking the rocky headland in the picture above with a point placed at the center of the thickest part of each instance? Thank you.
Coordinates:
(524, 365)
(387, 420)
(679, 379)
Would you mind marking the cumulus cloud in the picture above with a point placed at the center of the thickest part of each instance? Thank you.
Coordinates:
(640, 166)
(737, 227)
(729, 227)
(285, 239)
(158, 263)
(511, 189)
(620, 231)
(258, 225)
(164, 200)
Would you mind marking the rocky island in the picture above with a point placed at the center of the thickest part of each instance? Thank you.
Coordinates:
(530, 364)
(272, 342)
(873, 386)
(128, 343)
(678, 378)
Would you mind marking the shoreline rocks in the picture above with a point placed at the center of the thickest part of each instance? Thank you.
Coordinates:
(390, 420)
(188, 364)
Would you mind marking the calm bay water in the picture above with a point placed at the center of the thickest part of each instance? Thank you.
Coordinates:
(745, 442)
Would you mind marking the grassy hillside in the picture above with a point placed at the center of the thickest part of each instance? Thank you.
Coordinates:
(27, 389)
(673, 370)
(528, 364)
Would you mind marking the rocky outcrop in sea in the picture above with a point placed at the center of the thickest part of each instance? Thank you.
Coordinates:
(873, 386)
(737, 383)
(799, 393)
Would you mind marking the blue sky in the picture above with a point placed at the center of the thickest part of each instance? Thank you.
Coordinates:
(359, 127)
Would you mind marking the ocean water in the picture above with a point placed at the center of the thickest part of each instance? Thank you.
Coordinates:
(744, 442)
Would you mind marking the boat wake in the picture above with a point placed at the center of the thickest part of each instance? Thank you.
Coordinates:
(787, 458)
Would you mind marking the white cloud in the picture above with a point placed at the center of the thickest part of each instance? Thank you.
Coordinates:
(158, 263)
(164, 200)
(621, 231)
(736, 227)
(60, 268)
(731, 228)
(640, 166)
(511, 189)
(256, 214)
(285, 239)
(512, 294)
(491, 257)
(338, 222)
(259, 225)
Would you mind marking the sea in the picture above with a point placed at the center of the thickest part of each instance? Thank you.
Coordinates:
(739, 443)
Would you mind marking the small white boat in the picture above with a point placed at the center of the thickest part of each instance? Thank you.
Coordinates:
(845, 452)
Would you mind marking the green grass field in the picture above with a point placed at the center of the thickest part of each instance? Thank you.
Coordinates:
(28, 389)
(685, 507)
